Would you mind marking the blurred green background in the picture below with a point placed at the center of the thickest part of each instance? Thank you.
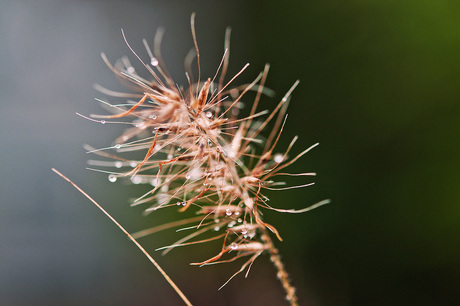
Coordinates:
(379, 91)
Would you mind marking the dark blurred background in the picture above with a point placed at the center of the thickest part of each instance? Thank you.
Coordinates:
(379, 90)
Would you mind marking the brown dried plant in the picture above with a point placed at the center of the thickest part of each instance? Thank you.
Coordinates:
(197, 155)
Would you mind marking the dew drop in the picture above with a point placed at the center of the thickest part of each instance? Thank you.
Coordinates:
(231, 224)
(117, 146)
(208, 114)
(228, 212)
(153, 116)
(184, 203)
(178, 203)
(133, 164)
(130, 69)
(233, 246)
(244, 231)
(239, 220)
(103, 121)
(155, 182)
(164, 188)
(136, 180)
(112, 178)
(118, 164)
(237, 213)
(170, 156)
(216, 228)
(188, 176)
(153, 62)
(278, 158)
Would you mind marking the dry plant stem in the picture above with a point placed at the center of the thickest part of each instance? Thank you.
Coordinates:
(275, 258)
(168, 279)
(282, 275)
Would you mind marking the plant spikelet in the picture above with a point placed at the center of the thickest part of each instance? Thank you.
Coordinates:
(197, 154)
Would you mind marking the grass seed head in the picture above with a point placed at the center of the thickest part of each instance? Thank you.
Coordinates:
(196, 154)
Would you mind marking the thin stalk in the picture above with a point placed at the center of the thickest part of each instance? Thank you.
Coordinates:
(168, 279)
(282, 275)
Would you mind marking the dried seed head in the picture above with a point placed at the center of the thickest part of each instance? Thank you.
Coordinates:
(197, 154)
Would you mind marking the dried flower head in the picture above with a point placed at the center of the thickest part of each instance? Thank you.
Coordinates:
(198, 155)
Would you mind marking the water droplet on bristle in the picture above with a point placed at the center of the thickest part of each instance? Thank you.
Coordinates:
(153, 62)
(112, 178)
(118, 164)
(141, 125)
(103, 121)
(155, 182)
(228, 212)
(117, 146)
(233, 246)
(278, 158)
(136, 180)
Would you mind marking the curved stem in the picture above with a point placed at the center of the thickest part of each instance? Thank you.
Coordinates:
(169, 280)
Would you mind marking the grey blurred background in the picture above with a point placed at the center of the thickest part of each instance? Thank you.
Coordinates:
(379, 90)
